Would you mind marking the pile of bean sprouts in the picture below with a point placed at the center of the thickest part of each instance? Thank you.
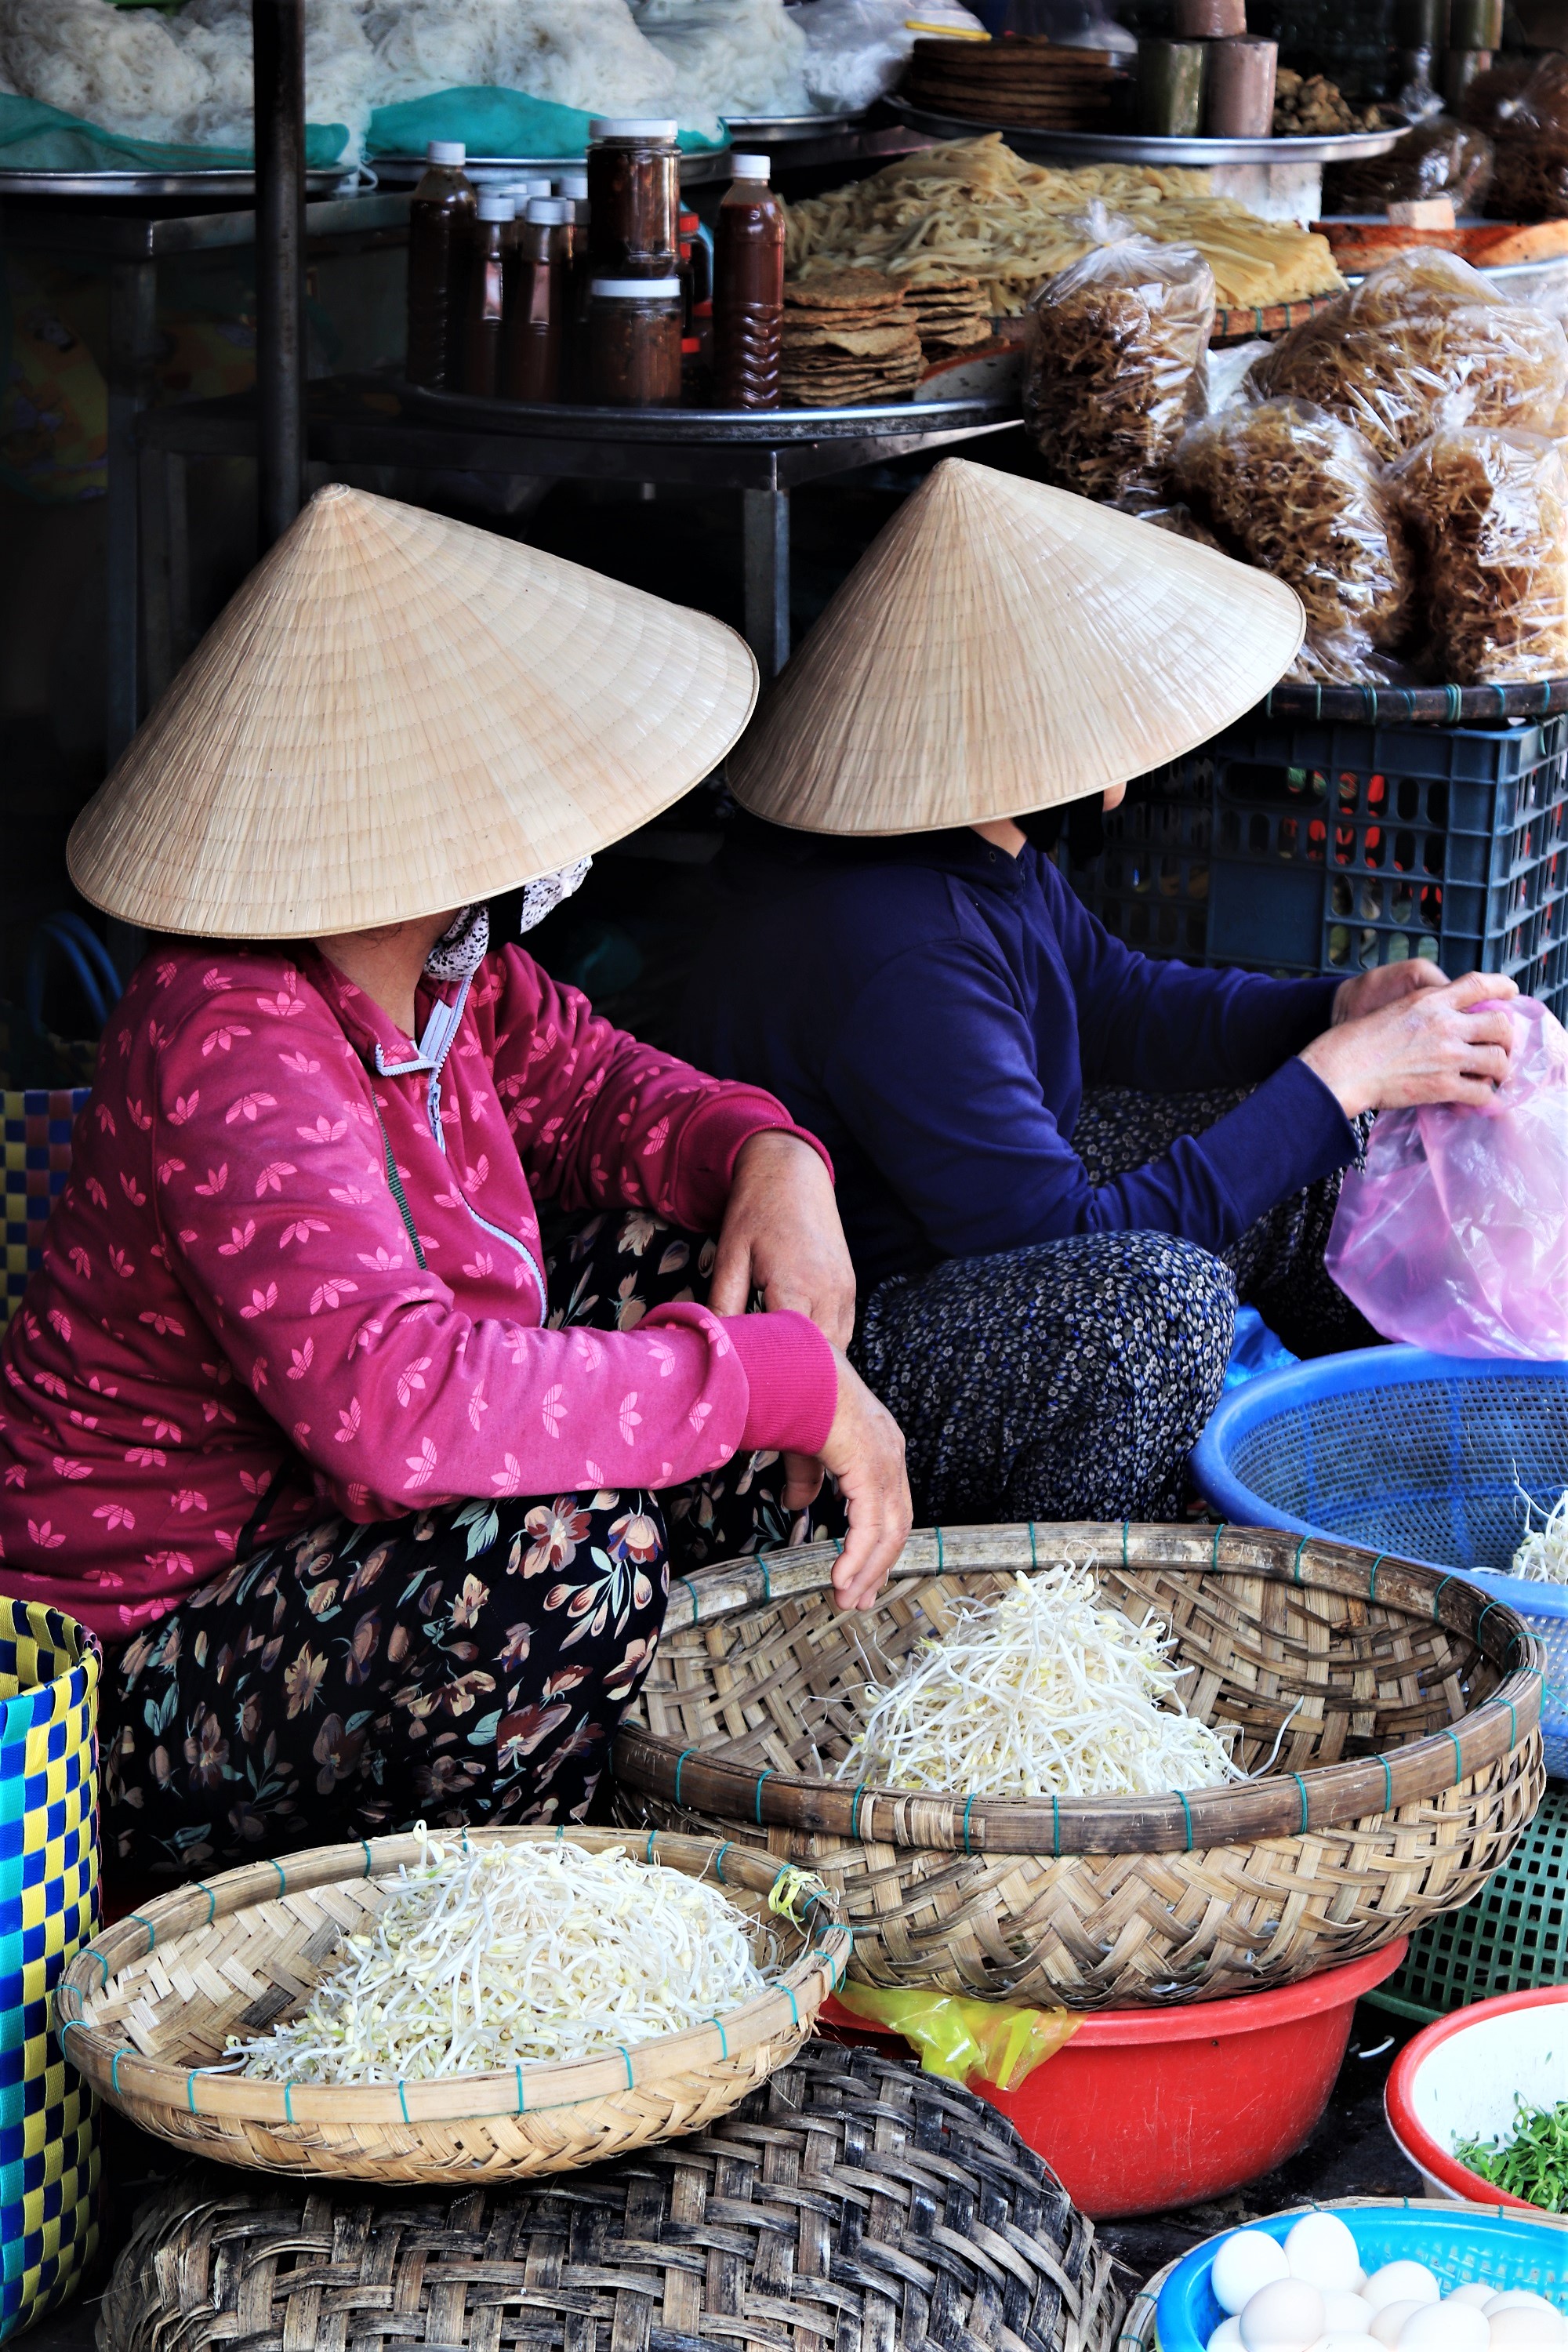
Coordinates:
(509, 1953)
(1042, 1692)
(1544, 1554)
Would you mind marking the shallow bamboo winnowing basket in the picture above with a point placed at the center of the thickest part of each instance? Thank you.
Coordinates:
(1411, 1763)
(145, 2008)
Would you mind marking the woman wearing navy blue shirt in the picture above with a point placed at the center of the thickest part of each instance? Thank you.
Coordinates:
(1059, 1162)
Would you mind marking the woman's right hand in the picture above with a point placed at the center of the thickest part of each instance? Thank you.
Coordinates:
(1436, 1046)
(865, 1452)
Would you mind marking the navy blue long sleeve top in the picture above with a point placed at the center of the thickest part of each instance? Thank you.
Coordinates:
(933, 1008)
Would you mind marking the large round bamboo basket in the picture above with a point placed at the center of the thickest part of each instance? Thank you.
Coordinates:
(1411, 1762)
(146, 2008)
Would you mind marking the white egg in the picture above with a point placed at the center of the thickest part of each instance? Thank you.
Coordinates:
(1517, 2298)
(1478, 2293)
(1445, 2328)
(1347, 2340)
(1388, 2324)
(1285, 2316)
(1321, 2250)
(1358, 2282)
(1226, 2336)
(1401, 2283)
(1524, 2327)
(1345, 2313)
(1244, 2263)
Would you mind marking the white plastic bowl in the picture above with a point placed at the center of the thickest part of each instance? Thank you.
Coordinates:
(1460, 2080)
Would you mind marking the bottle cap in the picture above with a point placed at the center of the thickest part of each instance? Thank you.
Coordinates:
(633, 289)
(523, 191)
(750, 167)
(495, 204)
(632, 126)
(447, 150)
(548, 212)
(574, 184)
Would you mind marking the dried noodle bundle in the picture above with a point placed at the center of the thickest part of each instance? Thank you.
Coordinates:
(1492, 508)
(1116, 367)
(1421, 342)
(1296, 492)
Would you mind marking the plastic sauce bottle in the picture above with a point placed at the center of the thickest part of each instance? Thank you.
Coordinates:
(748, 289)
(439, 220)
(533, 331)
(491, 247)
(572, 188)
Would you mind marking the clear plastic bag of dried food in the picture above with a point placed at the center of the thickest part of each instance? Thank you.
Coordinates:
(1297, 493)
(1421, 342)
(1438, 157)
(1530, 173)
(1115, 369)
(1490, 510)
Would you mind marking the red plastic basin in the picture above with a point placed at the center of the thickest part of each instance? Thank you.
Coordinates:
(1146, 2108)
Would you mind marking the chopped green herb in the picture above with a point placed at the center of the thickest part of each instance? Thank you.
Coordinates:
(1533, 2163)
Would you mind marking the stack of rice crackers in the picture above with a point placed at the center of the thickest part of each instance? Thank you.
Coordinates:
(950, 316)
(848, 336)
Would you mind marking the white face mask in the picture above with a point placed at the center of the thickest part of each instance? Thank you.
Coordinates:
(464, 943)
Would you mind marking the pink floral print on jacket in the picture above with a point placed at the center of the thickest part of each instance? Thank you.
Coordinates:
(231, 1314)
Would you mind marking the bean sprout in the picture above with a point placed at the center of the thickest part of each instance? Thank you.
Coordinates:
(1542, 1557)
(508, 1953)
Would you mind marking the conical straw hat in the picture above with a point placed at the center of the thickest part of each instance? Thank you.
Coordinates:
(397, 714)
(1001, 648)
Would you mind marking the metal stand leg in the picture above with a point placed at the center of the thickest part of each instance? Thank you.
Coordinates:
(132, 318)
(766, 529)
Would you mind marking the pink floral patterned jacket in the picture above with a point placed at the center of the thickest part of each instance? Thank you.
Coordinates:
(235, 1325)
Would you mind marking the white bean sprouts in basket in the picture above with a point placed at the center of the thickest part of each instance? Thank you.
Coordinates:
(509, 1953)
(1542, 1557)
(1042, 1692)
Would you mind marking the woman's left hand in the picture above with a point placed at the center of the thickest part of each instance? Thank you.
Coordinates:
(1386, 983)
(782, 1236)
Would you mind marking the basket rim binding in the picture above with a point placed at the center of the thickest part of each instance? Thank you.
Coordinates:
(1290, 1804)
(122, 2072)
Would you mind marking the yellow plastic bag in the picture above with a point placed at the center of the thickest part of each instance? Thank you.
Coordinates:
(966, 2040)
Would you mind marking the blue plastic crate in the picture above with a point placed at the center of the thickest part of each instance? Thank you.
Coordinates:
(1307, 846)
(1409, 1454)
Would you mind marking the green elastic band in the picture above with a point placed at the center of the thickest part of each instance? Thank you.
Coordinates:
(1512, 1724)
(651, 1835)
(212, 1901)
(115, 2066)
(1034, 1556)
(1387, 1785)
(937, 1533)
(794, 2005)
(1124, 1560)
(138, 1921)
(561, 1834)
(695, 1597)
(626, 2062)
(719, 1860)
(366, 1844)
(767, 1579)
(1055, 1825)
(1296, 1563)
(1486, 1612)
(190, 2092)
(1303, 1786)
(761, 1777)
(1455, 701)
(1437, 1596)
(288, 2103)
(967, 1802)
(723, 2037)
(855, 1809)
(1187, 1810)
(402, 2101)
(678, 1762)
(103, 1963)
(522, 2095)
(1218, 1533)
(1453, 1738)
(1372, 1586)
(282, 1881)
(1317, 702)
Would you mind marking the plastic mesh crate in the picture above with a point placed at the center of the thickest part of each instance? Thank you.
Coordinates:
(1513, 1937)
(1300, 846)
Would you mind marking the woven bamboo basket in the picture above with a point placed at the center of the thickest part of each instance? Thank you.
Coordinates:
(1405, 1706)
(853, 2203)
(145, 2009)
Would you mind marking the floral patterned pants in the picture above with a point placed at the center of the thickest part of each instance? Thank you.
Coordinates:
(467, 1664)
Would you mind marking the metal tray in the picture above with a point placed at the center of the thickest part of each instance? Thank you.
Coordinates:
(775, 128)
(404, 171)
(205, 181)
(564, 421)
(1130, 147)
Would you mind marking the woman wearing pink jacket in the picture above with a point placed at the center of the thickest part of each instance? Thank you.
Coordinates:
(372, 1497)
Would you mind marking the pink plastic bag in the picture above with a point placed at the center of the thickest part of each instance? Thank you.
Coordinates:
(1456, 1236)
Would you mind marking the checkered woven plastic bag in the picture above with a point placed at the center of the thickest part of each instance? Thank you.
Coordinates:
(37, 1147)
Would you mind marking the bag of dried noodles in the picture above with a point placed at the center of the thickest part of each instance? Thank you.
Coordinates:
(1116, 367)
(1492, 509)
(1421, 342)
(1437, 158)
(1296, 492)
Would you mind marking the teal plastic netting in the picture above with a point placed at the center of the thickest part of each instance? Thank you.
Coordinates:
(38, 138)
(493, 122)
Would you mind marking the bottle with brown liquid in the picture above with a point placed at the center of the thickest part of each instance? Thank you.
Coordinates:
(634, 188)
(533, 331)
(491, 246)
(748, 289)
(572, 188)
(439, 220)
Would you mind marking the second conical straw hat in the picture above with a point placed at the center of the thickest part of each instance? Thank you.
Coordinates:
(397, 714)
(1003, 646)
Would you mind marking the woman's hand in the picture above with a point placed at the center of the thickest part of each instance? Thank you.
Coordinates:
(1386, 983)
(1448, 1043)
(865, 1452)
(782, 1236)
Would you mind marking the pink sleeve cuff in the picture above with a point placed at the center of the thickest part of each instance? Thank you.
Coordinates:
(792, 1380)
(713, 1141)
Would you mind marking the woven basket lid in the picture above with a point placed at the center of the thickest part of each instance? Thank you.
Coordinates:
(397, 714)
(1000, 647)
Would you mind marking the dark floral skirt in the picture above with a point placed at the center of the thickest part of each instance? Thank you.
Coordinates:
(465, 1664)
